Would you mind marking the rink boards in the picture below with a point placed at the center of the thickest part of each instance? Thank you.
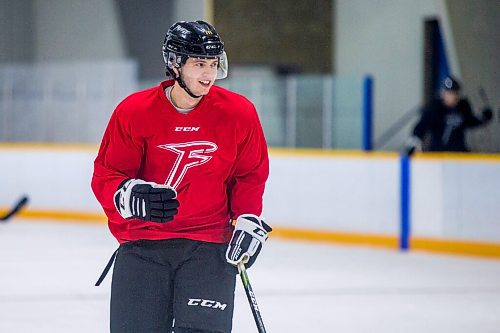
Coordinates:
(330, 196)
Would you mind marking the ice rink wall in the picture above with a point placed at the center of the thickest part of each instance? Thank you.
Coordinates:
(331, 196)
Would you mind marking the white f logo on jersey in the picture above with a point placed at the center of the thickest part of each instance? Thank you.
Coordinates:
(189, 154)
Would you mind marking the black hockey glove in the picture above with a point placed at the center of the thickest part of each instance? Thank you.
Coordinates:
(146, 201)
(249, 234)
(486, 115)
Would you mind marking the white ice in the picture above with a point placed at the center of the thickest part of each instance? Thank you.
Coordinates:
(47, 272)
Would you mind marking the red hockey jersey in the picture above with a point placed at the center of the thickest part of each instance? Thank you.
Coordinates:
(214, 156)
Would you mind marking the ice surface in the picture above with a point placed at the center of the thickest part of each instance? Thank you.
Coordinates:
(48, 271)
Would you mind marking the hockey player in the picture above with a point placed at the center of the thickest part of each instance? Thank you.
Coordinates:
(177, 164)
(446, 120)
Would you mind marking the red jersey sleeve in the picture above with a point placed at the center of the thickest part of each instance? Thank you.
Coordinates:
(119, 158)
(251, 169)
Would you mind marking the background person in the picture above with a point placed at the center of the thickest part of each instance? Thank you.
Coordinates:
(446, 120)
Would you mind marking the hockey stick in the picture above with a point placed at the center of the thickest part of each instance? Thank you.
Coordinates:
(251, 298)
(20, 204)
(484, 97)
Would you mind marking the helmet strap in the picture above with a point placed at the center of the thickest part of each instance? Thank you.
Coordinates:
(183, 86)
(181, 82)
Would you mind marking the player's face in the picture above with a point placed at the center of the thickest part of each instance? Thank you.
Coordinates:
(199, 74)
(450, 98)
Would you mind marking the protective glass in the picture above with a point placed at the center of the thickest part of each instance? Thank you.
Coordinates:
(175, 60)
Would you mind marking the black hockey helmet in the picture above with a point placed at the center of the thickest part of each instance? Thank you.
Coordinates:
(196, 39)
(451, 84)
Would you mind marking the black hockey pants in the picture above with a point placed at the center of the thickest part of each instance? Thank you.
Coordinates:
(175, 285)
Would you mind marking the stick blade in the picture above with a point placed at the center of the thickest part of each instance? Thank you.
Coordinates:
(19, 205)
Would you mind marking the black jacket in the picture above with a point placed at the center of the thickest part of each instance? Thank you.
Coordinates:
(446, 126)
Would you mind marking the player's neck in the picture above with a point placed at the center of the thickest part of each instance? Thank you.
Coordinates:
(181, 99)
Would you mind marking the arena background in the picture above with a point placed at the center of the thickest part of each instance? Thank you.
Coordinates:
(338, 85)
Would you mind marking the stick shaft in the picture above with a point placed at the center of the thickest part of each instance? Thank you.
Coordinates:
(484, 97)
(251, 298)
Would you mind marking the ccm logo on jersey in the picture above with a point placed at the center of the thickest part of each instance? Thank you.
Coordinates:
(187, 129)
(206, 303)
